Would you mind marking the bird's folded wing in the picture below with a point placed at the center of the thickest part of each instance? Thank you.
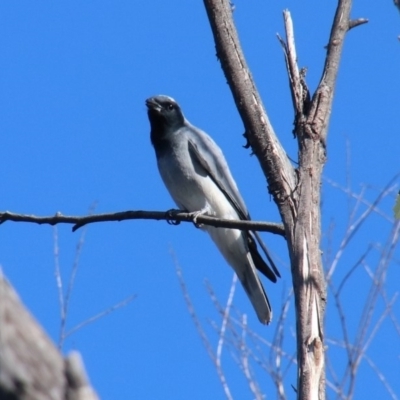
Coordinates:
(212, 160)
(210, 157)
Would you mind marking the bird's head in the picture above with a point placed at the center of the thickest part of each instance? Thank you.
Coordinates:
(164, 114)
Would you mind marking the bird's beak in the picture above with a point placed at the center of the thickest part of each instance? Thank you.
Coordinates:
(152, 105)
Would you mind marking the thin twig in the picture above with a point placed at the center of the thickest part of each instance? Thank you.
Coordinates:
(360, 198)
(358, 263)
(244, 363)
(102, 314)
(200, 330)
(59, 283)
(226, 317)
(357, 22)
(378, 324)
(278, 344)
(362, 342)
(70, 287)
(342, 317)
(353, 229)
(65, 301)
(381, 377)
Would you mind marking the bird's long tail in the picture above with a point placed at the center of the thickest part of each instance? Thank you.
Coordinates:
(255, 291)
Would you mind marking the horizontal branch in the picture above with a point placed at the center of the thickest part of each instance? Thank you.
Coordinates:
(173, 217)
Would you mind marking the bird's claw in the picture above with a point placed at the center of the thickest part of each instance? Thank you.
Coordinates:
(195, 215)
(169, 216)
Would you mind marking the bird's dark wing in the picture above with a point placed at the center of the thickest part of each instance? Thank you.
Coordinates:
(205, 152)
(266, 252)
(260, 264)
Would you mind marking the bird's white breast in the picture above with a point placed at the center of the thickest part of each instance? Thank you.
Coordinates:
(194, 190)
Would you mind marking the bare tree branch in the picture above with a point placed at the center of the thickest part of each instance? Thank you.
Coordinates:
(357, 22)
(277, 344)
(323, 97)
(359, 197)
(357, 351)
(59, 283)
(382, 378)
(355, 225)
(265, 145)
(65, 298)
(225, 318)
(172, 216)
(245, 364)
(296, 193)
(298, 87)
(200, 330)
(101, 314)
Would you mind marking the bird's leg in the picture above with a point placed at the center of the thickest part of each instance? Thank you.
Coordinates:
(205, 210)
(169, 215)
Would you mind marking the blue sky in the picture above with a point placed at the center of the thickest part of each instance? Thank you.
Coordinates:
(74, 77)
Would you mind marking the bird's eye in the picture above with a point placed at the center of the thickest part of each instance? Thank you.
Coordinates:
(170, 106)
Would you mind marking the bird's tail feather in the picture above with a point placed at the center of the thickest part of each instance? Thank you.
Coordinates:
(255, 291)
(266, 252)
(259, 263)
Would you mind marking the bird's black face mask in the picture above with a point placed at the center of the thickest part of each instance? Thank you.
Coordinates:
(164, 115)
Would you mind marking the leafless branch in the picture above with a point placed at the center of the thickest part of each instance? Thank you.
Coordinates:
(342, 315)
(102, 314)
(64, 304)
(298, 87)
(200, 330)
(358, 263)
(245, 365)
(325, 92)
(265, 145)
(233, 333)
(296, 193)
(172, 216)
(381, 377)
(360, 198)
(59, 283)
(277, 344)
(64, 298)
(357, 351)
(356, 225)
(357, 22)
(243, 352)
(226, 317)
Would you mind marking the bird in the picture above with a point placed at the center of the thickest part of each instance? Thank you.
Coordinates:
(196, 174)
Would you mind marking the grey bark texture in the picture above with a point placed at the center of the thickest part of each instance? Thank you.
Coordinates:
(31, 367)
(296, 191)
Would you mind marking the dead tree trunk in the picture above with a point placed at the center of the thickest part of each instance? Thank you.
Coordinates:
(296, 191)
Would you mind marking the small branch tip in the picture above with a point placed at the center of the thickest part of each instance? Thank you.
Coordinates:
(353, 23)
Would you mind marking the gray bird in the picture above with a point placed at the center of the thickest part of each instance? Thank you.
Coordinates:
(198, 178)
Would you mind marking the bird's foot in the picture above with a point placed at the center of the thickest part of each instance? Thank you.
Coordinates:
(196, 214)
(169, 215)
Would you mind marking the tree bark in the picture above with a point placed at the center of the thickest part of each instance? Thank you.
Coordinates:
(295, 191)
(31, 368)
